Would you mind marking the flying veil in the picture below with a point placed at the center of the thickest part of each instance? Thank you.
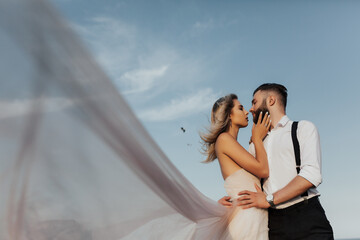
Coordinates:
(75, 162)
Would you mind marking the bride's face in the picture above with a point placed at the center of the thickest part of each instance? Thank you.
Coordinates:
(239, 116)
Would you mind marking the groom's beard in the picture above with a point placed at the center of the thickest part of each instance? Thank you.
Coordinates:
(263, 109)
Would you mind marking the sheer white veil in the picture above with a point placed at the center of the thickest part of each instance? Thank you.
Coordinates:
(75, 162)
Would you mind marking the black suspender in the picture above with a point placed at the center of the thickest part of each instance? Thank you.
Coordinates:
(296, 150)
(296, 146)
(297, 153)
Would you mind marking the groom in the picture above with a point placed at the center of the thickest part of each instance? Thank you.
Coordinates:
(290, 194)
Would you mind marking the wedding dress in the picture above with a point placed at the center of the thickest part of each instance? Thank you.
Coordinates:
(76, 164)
(246, 224)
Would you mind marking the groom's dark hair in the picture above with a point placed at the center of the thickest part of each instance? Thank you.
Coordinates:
(278, 88)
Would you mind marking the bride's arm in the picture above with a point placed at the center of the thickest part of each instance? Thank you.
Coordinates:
(228, 146)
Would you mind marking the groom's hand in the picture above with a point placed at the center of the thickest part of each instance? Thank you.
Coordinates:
(225, 201)
(252, 199)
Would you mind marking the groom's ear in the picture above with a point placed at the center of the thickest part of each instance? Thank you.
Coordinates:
(271, 100)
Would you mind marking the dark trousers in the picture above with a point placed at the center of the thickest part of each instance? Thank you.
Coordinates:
(305, 220)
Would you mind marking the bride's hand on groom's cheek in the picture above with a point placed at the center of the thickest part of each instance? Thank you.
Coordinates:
(261, 128)
(225, 201)
(250, 199)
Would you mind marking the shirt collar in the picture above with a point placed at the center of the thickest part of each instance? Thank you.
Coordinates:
(283, 121)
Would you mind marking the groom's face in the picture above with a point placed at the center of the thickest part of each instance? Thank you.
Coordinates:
(258, 105)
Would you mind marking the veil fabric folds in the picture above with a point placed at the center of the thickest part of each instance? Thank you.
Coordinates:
(75, 162)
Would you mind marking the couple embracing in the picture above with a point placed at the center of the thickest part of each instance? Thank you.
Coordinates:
(271, 188)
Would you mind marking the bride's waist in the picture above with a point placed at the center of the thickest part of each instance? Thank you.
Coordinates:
(234, 191)
(241, 184)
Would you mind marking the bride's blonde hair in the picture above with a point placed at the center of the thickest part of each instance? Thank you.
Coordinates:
(220, 122)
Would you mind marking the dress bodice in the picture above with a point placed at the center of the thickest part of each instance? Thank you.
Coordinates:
(245, 224)
(239, 181)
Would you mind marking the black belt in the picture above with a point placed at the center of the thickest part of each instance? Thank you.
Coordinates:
(295, 207)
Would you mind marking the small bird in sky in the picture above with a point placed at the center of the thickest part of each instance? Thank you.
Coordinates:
(182, 129)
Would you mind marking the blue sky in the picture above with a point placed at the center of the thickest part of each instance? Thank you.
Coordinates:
(171, 60)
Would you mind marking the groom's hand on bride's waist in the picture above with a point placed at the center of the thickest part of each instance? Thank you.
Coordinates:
(249, 199)
(225, 201)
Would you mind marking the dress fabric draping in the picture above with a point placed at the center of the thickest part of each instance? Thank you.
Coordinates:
(75, 162)
(246, 224)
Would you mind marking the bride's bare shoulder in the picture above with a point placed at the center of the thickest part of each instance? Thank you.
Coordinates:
(224, 139)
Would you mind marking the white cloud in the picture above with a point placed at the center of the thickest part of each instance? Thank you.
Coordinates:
(16, 108)
(141, 80)
(137, 61)
(116, 47)
(183, 107)
(112, 41)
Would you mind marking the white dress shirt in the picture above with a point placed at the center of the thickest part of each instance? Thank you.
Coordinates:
(281, 157)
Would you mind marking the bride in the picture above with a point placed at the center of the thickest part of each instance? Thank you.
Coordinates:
(238, 167)
(77, 164)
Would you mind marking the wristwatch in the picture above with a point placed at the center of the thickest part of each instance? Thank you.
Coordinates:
(270, 200)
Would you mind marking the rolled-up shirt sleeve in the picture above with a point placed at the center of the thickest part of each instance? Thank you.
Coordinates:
(310, 152)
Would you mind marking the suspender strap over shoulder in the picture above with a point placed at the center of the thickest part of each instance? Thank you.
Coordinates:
(296, 149)
(296, 145)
